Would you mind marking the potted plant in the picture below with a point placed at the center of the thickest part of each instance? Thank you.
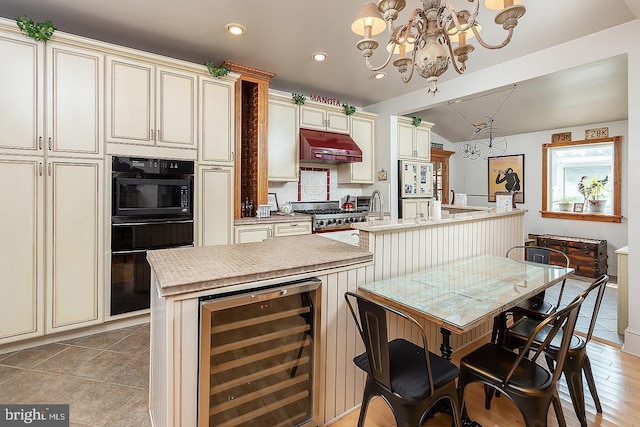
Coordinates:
(565, 203)
(595, 192)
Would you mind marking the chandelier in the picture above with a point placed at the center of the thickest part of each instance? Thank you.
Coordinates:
(425, 42)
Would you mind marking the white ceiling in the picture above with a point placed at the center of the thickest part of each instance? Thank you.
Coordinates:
(282, 35)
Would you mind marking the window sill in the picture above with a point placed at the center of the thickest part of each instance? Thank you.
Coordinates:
(579, 216)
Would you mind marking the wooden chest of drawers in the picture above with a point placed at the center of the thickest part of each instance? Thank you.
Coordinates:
(587, 256)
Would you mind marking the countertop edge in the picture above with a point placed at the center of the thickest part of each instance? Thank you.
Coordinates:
(230, 282)
(377, 226)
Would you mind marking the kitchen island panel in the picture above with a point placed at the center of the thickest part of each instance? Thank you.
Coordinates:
(175, 343)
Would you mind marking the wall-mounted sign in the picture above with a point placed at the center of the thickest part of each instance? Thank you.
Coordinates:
(562, 136)
(325, 100)
(596, 133)
(437, 145)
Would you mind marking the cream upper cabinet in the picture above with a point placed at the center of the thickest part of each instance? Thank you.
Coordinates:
(150, 105)
(216, 119)
(327, 118)
(214, 210)
(414, 142)
(21, 248)
(70, 124)
(284, 139)
(21, 94)
(74, 243)
(363, 133)
(75, 90)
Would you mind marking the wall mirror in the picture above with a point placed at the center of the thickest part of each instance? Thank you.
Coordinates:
(581, 179)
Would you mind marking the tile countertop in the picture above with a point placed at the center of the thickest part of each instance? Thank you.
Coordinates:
(275, 217)
(184, 270)
(377, 226)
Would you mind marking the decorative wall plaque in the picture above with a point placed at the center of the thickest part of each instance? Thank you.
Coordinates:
(562, 136)
(596, 133)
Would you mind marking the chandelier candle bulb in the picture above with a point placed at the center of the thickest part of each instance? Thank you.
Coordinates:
(428, 35)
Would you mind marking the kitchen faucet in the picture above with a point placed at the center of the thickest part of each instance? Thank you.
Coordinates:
(372, 203)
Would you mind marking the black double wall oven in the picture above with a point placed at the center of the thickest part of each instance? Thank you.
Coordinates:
(152, 208)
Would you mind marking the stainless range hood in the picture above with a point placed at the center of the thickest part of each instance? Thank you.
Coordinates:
(328, 147)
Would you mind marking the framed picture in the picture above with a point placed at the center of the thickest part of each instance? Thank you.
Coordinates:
(273, 202)
(506, 173)
(578, 207)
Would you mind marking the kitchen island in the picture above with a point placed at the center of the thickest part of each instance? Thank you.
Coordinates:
(181, 278)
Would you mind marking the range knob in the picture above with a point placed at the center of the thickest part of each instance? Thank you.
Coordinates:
(321, 222)
(363, 219)
(339, 221)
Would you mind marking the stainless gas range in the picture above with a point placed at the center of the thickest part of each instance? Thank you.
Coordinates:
(328, 216)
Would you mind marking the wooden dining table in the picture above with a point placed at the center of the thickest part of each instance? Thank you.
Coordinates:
(463, 294)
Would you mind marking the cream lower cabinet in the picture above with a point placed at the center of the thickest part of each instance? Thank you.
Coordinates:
(291, 228)
(415, 208)
(75, 224)
(21, 248)
(284, 139)
(259, 232)
(253, 233)
(69, 194)
(214, 222)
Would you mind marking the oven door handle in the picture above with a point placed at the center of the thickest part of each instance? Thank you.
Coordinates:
(128, 224)
(129, 252)
(141, 251)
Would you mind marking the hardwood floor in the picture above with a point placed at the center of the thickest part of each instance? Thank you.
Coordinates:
(617, 376)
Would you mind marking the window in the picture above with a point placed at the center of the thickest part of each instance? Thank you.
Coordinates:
(572, 171)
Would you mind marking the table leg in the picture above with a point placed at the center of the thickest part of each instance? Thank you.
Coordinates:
(446, 350)
(445, 347)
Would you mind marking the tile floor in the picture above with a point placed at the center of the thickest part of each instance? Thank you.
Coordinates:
(105, 377)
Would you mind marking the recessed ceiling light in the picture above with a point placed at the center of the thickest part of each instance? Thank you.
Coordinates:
(379, 76)
(235, 29)
(320, 56)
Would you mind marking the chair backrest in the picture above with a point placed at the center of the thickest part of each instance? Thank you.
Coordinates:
(600, 284)
(539, 254)
(371, 322)
(540, 340)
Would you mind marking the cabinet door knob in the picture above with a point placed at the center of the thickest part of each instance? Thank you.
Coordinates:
(49, 143)
(40, 168)
(39, 143)
(158, 135)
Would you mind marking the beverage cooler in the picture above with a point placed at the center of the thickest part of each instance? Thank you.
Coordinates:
(257, 356)
(415, 188)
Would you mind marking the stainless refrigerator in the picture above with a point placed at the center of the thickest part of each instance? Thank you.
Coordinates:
(415, 188)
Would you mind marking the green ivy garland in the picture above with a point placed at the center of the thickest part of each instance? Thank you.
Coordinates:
(298, 99)
(41, 31)
(348, 109)
(216, 72)
(416, 121)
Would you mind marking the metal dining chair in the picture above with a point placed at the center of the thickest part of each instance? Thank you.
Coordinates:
(577, 358)
(529, 385)
(536, 305)
(410, 378)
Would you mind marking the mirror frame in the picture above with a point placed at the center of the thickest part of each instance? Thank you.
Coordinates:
(617, 176)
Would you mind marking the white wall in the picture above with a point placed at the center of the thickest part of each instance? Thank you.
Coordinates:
(619, 40)
(471, 176)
